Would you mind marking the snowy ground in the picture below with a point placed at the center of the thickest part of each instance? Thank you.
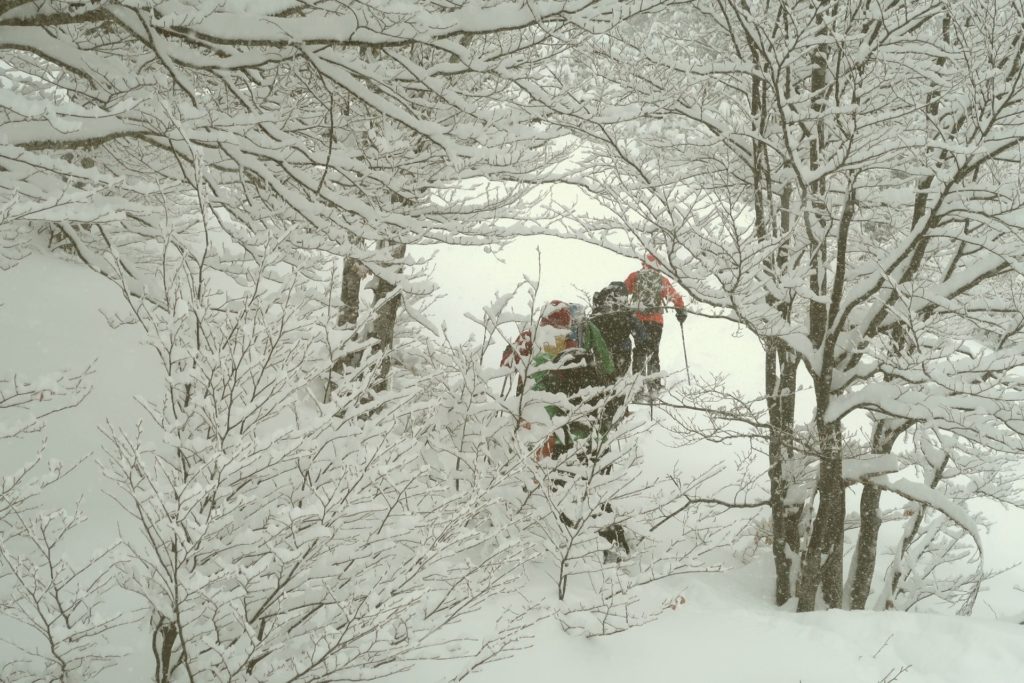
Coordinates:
(54, 316)
(727, 632)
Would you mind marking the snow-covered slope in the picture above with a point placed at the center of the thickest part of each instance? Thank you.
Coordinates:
(721, 627)
(727, 632)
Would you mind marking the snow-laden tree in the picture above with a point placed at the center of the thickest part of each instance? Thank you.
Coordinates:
(843, 180)
(279, 536)
(217, 161)
(341, 128)
(52, 602)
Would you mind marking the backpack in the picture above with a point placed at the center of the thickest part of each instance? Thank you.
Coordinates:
(574, 370)
(557, 341)
(553, 335)
(647, 290)
(572, 355)
(612, 299)
(613, 317)
(578, 358)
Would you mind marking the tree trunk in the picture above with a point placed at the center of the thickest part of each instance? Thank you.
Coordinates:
(863, 569)
(164, 635)
(385, 302)
(822, 563)
(348, 313)
(780, 388)
(351, 275)
(883, 438)
(780, 363)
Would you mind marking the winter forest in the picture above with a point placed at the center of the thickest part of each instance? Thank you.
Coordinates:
(326, 335)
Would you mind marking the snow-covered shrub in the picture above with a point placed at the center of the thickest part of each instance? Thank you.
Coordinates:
(938, 556)
(62, 601)
(588, 512)
(280, 536)
(57, 599)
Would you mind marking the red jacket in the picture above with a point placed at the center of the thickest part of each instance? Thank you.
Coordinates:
(668, 292)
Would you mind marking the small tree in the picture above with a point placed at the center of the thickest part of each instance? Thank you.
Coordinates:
(281, 537)
(58, 600)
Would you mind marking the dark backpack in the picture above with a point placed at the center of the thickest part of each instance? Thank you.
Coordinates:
(647, 290)
(613, 317)
(574, 371)
(612, 299)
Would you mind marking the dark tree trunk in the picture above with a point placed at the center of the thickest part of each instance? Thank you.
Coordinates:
(822, 564)
(883, 438)
(780, 363)
(164, 636)
(386, 301)
(348, 313)
(780, 384)
(351, 275)
(867, 543)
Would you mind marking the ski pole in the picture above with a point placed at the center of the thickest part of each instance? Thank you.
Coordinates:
(686, 359)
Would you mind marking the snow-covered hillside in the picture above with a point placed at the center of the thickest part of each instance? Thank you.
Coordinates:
(716, 627)
(727, 632)
(330, 333)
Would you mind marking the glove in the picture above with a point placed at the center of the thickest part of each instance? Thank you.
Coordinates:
(681, 316)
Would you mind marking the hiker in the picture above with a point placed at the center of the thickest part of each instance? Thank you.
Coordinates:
(613, 316)
(650, 290)
(561, 330)
(567, 354)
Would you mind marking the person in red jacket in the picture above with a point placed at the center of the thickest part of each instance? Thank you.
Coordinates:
(650, 291)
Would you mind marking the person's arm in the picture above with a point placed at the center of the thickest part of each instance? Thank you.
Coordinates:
(669, 292)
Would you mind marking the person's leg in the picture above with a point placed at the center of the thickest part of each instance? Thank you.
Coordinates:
(642, 349)
(635, 365)
(621, 358)
(653, 334)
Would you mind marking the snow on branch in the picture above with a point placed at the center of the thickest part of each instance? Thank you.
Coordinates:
(925, 495)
